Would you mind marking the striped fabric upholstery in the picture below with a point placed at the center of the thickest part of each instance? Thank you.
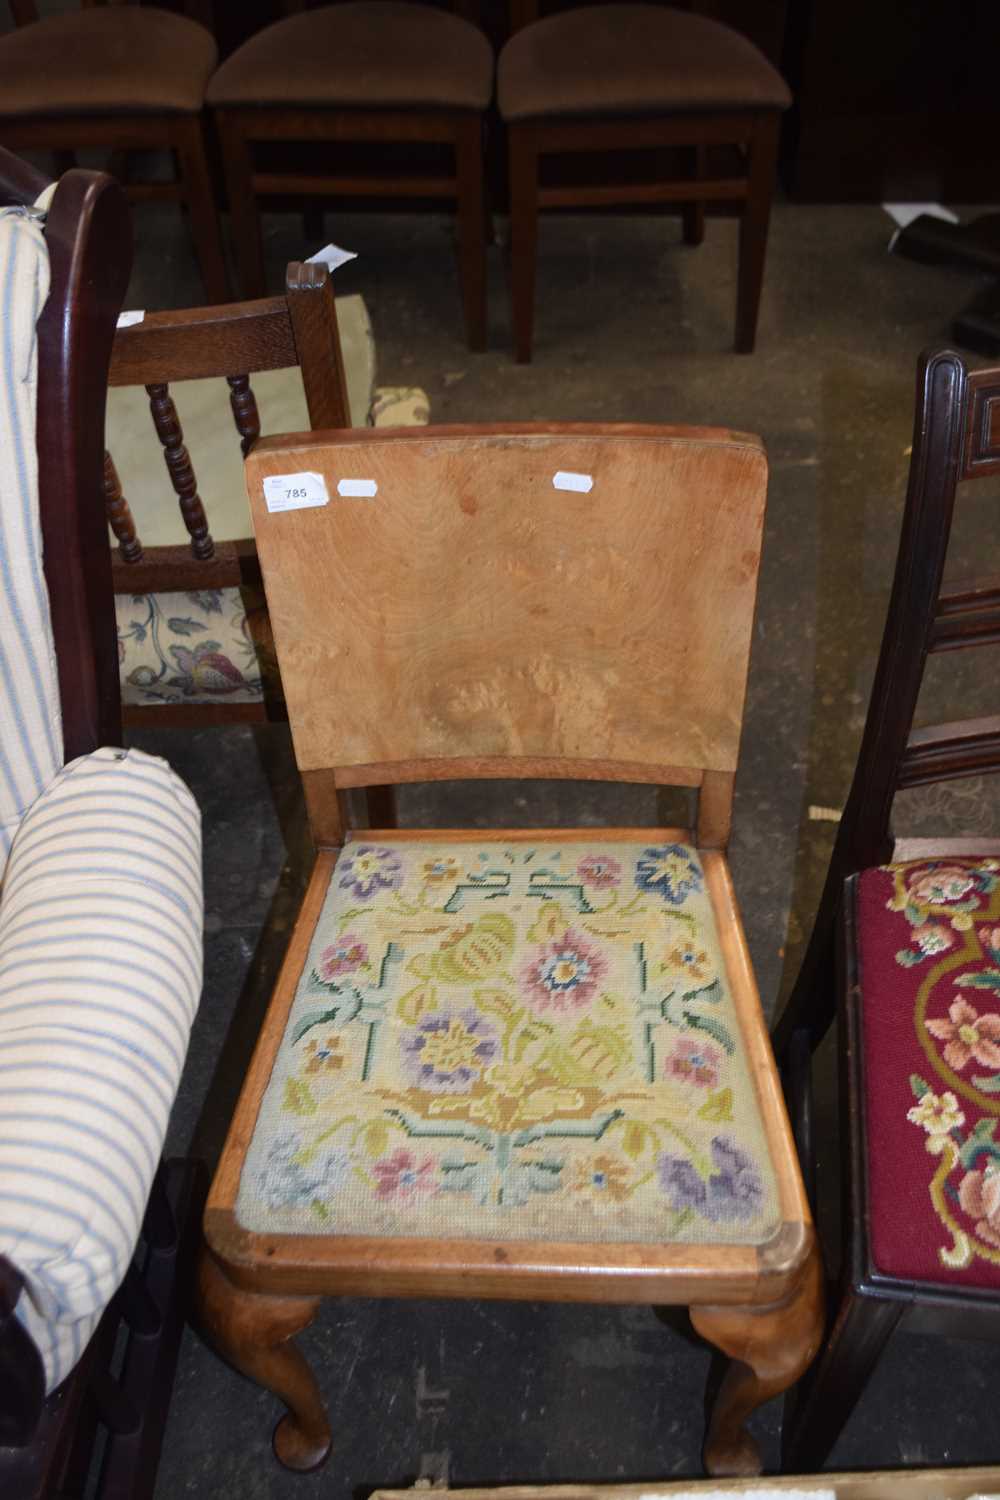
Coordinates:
(30, 724)
(100, 974)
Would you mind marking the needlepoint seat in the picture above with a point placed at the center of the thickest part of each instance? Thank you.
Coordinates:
(502, 1039)
(929, 962)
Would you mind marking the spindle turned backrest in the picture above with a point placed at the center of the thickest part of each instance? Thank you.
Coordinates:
(233, 341)
(570, 601)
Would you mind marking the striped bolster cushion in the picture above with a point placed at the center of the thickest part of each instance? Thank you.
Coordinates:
(30, 727)
(100, 975)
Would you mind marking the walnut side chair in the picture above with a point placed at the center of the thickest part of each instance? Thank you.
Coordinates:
(234, 341)
(514, 1064)
(638, 78)
(906, 955)
(375, 71)
(126, 76)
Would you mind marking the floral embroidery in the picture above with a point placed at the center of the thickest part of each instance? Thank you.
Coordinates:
(402, 1175)
(448, 1051)
(170, 653)
(952, 910)
(733, 1191)
(979, 1195)
(668, 871)
(475, 951)
(694, 1063)
(537, 1037)
(342, 957)
(324, 1056)
(443, 871)
(940, 885)
(601, 1181)
(602, 874)
(290, 1176)
(368, 868)
(563, 975)
(933, 937)
(968, 1035)
(939, 1115)
(690, 961)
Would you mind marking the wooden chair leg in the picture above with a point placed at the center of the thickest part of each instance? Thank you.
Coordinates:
(523, 237)
(693, 218)
(253, 1332)
(753, 228)
(199, 196)
(244, 217)
(860, 1332)
(472, 228)
(770, 1347)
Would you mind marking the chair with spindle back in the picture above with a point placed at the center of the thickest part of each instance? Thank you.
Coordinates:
(376, 72)
(640, 78)
(100, 912)
(517, 1064)
(298, 329)
(125, 76)
(908, 954)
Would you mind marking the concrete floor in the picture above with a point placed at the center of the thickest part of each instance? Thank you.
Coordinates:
(631, 326)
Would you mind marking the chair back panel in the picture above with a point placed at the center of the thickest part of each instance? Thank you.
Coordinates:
(234, 341)
(471, 618)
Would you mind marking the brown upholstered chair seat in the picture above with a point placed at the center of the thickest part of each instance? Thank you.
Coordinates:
(366, 54)
(632, 59)
(120, 58)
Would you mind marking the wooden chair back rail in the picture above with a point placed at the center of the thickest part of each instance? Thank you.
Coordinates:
(271, 334)
(956, 437)
(89, 239)
(982, 450)
(545, 651)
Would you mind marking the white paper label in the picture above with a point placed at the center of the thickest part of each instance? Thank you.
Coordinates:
(294, 491)
(332, 256)
(582, 483)
(357, 489)
(129, 319)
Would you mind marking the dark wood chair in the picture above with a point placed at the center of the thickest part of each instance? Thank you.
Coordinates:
(644, 79)
(370, 71)
(119, 1391)
(914, 939)
(297, 329)
(127, 77)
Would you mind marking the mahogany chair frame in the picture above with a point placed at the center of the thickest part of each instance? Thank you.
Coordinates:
(275, 333)
(47, 1446)
(240, 128)
(956, 437)
(182, 134)
(753, 132)
(761, 1306)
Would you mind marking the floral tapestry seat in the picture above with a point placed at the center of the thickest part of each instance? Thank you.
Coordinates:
(928, 941)
(514, 1040)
